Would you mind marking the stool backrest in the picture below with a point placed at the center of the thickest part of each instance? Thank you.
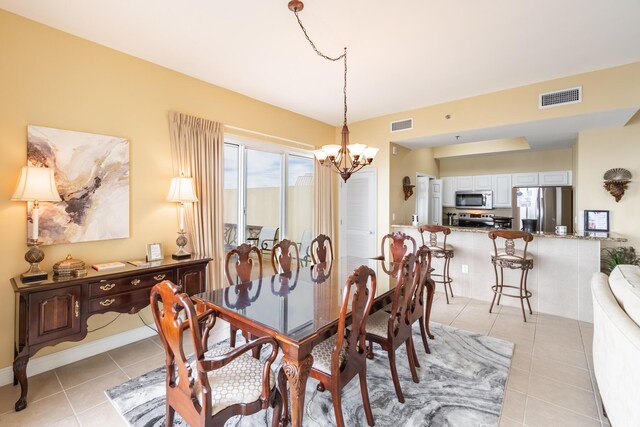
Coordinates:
(397, 246)
(244, 263)
(509, 244)
(433, 231)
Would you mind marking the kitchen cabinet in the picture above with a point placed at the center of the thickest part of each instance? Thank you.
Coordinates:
(501, 186)
(528, 179)
(464, 183)
(554, 178)
(449, 192)
(482, 182)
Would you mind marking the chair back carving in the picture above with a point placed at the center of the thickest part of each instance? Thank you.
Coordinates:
(281, 257)
(399, 326)
(355, 341)
(433, 231)
(320, 247)
(423, 261)
(244, 263)
(174, 314)
(397, 246)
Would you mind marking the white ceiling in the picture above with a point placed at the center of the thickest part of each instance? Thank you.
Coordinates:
(402, 55)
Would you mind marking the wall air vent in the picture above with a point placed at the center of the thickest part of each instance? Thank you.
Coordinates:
(560, 97)
(399, 125)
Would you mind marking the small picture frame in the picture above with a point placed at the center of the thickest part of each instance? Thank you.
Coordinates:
(596, 221)
(154, 252)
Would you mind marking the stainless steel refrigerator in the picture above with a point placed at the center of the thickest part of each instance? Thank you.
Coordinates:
(551, 206)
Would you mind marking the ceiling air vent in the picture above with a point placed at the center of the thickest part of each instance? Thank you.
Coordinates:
(560, 97)
(399, 125)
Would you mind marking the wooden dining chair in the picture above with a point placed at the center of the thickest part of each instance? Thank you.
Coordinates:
(218, 384)
(338, 359)
(321, 249)
(396, 243)
(243, 268)
(392, 329)
(281, 256)
(420, 307)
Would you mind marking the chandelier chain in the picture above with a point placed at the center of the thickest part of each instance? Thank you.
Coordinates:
(329, 58)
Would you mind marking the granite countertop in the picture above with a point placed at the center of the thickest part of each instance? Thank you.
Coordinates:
(606, 237)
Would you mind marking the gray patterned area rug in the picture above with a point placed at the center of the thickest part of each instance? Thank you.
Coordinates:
(462, 383)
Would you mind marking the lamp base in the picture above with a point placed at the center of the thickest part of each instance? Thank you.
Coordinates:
(33, 256)
(181, 241)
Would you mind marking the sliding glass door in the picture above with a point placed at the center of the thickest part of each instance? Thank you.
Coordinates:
(268, 196)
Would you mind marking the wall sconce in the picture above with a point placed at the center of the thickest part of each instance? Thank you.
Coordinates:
(181, 191)
(407, 187)
(35, 185)
(616, 181)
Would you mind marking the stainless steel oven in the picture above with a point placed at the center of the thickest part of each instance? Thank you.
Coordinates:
(474, 199)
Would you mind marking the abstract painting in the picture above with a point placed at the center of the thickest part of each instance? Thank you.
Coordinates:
(92, 177)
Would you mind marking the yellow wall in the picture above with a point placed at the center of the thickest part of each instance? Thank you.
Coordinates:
(481, 147)
(51, 78)
(514, 162)
(599, 151)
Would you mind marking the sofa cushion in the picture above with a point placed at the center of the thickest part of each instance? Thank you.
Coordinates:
(625, 286)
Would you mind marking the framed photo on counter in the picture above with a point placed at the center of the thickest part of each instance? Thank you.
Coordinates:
(596, 221)
(154, 252)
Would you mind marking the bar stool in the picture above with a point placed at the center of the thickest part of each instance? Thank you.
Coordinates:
(439, 251)
(514, 259)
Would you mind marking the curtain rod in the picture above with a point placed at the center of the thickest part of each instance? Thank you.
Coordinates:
(269, 136)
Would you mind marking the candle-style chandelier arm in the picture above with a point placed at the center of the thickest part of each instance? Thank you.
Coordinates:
(344, 158)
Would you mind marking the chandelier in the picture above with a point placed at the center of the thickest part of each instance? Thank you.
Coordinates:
(345, 158)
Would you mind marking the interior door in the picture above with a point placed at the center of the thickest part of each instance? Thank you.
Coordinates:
(358, 207)
(435, 201)
(422, 199)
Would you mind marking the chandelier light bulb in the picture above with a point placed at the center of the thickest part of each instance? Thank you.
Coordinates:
(356, 150)
(332, 150)
(321, 155)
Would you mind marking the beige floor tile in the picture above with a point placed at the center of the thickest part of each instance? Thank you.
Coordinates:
(52, 409)
(560, 354)
(132, 353)
(521, 344)
(521, 359)
(144, 366)
(557, 321)
(40, 386)
(542, 414)
(66, 422)
(513, 405)
(569, 397)
(84, 370)
(515, 314)
(506, 422)
(518, 380)
(563, 373)
(91, 393)
(103, 415)
(569, 338)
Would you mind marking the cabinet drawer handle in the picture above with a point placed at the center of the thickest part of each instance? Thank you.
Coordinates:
(135, 282)
(159, 276)
(77, 309)
(107, 302)
(108, 286)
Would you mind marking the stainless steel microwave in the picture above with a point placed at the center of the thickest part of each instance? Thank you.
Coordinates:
(474, 199)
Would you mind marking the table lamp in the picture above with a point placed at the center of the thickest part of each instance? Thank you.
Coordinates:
(181, 191)
(35, 185)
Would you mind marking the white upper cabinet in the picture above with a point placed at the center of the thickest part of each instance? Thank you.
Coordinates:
(501, 186)
(554, 178)
(449, 191)
(528, 179)
(464, 183)
(482, 182)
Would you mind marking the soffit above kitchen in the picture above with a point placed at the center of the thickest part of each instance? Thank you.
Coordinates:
(402, 55)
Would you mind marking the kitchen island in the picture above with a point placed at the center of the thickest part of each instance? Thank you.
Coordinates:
(560, 278)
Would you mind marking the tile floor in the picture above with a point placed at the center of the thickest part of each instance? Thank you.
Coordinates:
(551, 381)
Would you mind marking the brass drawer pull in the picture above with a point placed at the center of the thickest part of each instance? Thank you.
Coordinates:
(77, 308)
(135, 282)
(107, 302)
(159, 276)
(108, 286)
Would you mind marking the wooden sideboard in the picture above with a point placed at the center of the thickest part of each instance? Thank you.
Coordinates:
(54, 310)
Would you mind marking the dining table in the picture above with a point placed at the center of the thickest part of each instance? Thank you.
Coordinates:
(299, 310)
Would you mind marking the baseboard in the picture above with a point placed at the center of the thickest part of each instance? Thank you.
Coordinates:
(70, 355)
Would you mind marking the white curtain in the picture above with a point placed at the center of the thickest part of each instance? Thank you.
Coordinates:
(322, 201)
(197, 150)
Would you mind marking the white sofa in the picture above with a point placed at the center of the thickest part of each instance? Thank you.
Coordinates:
(616, 343)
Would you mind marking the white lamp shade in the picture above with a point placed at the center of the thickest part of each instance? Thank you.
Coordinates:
(321, 155)
(332, 150)
(356, 149)
(182, 190)
(370, 152)
(36, 184)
